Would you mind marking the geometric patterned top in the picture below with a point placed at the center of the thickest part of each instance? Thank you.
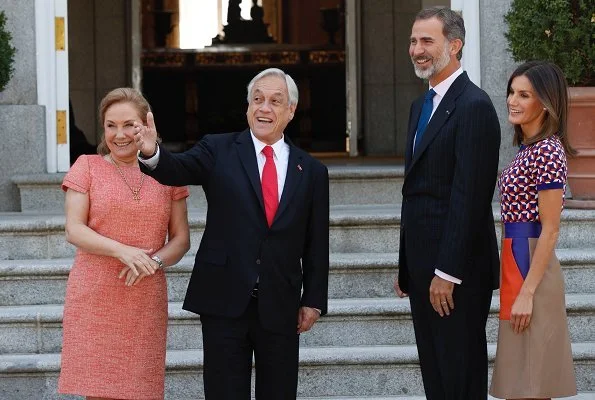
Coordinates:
(539, 166)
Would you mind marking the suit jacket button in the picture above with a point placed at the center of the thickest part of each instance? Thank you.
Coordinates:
(258, 261)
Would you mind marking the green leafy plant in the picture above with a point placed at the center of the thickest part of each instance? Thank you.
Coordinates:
(561, 31)
(6, 53)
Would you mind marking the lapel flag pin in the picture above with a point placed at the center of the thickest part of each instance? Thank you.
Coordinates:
(299, 167)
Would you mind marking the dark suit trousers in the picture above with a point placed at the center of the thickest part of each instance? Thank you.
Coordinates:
(452, 349)
(228, 345)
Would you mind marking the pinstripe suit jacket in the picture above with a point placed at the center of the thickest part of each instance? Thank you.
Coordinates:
(446, 216)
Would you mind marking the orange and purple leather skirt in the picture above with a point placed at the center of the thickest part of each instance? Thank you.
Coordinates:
(515, 260)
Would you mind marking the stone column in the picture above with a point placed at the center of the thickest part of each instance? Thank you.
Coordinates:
(388, 82)
(496, 67)
(22, 121)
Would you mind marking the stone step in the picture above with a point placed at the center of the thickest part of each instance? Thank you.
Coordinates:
(350, 322)
(579, 396)
(368, 372)
(353, 229)
(353, 275)
(381, 184)
(40, 236)
(44, 281)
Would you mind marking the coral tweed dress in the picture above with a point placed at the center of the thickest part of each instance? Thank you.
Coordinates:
(115, 335)
(536, 363)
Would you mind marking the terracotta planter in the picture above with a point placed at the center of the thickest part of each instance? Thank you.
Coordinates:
(581, 135)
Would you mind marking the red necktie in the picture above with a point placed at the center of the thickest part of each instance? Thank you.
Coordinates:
(270, 188)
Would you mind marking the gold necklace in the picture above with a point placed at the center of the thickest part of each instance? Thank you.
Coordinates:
(135, 191)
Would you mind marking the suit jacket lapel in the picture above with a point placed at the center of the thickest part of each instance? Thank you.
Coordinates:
(441, 115)
(295, 170)
(247, 154)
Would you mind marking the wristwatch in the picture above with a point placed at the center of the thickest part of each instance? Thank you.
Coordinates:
(158, 261)
(142, 156)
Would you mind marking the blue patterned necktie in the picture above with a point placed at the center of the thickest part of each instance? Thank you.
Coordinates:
(424, 117)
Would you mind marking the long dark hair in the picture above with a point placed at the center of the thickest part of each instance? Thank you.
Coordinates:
(551, 89)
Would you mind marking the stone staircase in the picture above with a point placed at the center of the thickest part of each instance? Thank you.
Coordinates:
(363, 349)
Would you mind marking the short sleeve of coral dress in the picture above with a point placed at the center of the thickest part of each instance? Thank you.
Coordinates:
(114, 336)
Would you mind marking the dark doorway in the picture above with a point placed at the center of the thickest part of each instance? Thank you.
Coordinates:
(203, 91)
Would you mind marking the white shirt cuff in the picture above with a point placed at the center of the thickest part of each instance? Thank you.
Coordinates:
(152, 162)
(447, 277)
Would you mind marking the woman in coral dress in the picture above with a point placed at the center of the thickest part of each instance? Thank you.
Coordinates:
(534, 357)
(115, 312)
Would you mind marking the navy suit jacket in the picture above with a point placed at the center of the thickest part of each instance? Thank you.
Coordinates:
(238, 246)
(446, 217)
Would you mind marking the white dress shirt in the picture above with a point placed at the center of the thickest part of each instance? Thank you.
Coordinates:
(280, 157)
(151, 162)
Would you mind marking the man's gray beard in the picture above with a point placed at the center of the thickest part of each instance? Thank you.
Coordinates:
(434, 69)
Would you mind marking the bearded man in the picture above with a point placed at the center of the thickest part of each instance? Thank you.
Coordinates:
(448, 256)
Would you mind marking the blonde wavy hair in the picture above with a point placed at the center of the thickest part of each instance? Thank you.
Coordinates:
(116, 96)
